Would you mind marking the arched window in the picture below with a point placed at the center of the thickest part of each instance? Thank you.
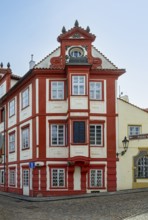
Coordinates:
(143, 167)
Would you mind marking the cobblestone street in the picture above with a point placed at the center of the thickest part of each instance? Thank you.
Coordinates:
(111, 207)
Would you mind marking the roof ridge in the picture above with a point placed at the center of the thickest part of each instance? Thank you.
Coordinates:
(105, 56)
(46, 57)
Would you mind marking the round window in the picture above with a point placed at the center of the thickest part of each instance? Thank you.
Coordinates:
(76, 52)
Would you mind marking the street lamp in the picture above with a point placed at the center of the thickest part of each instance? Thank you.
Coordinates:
(125, 143)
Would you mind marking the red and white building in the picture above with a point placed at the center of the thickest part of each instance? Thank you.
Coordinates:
(59, 121)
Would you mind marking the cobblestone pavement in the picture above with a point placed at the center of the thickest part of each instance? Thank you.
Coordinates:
(111, 207)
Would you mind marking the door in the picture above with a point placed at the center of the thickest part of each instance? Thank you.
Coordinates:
(77, 178)
(26, 182)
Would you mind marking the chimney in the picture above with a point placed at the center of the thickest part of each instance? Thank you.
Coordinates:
(125, 98)
(31, 63)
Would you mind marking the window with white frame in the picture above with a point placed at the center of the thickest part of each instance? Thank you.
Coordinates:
(12, 142)
(12, 108)
(25, 98)
(57, 135)
(58, 177)
(25, 138)
(143, 167)
(78, 85)
(2, 176)
(11, 177)
(134, 130)
(96, 90)
(96, 178)
(96, 135)
(57, 90)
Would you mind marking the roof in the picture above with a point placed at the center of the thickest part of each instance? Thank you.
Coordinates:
(46, 61)
(128, 103)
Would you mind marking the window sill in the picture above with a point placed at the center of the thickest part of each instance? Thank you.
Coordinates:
(99, 146)
(58, 187)
(57, 99)
(57, 146)
(11, 152)
(12, 185)
(10, 116)
(98, 100)
(27, 148)
(78, 144)
(23, 108)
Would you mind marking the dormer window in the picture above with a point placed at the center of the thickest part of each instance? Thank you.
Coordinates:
(76, 52)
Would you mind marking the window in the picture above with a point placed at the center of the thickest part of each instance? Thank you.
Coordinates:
(1, 176)
(57, 90)
(58, 177)
(76, 52)
(78, 132)
(25, 98)
(12, 142)
(96, 179)
(78, 85)
(95, 133)
(96, 90)
(11, 108)
(57, 135)
(143, 167)
(2, 112)
(2, 90)
(134, 130)
(25, 138)
(12, 177)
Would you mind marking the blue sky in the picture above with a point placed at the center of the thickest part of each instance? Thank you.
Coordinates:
(32, 26)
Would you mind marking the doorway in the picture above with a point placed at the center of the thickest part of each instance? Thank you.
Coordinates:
(25, 182)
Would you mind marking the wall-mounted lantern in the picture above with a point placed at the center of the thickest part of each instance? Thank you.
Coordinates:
(125, 143)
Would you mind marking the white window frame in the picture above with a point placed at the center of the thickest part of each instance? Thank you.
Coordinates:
(56, 174)
(12, 175)
(25, 98)
(2, 177)
(95, 93)
(57, 90)
(12, 108)
(25, 138)
(58, 135)
(95, 134)
(12, 142)
(76, 83)
(96, 180)
(134, 130)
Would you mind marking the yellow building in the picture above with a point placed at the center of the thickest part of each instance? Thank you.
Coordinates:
(132, 164)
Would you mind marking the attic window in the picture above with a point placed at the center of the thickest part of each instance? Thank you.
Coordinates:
(76, 52)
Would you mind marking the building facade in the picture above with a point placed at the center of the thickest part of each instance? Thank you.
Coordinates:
(59, 121)
(132, 167)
